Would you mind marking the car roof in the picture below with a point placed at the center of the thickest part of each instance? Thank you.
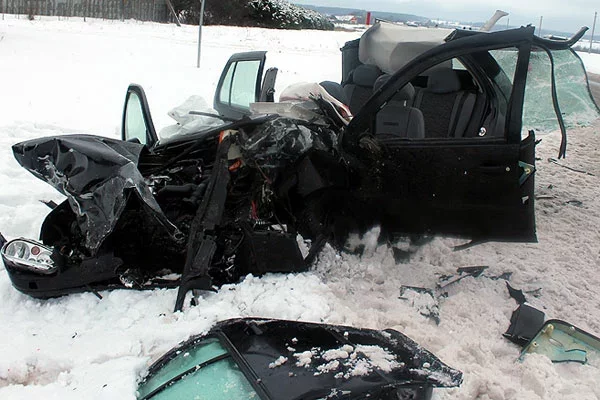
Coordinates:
(391, 46)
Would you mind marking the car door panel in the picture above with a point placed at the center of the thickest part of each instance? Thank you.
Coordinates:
(461, 189)
(471, 187)
(241, 83)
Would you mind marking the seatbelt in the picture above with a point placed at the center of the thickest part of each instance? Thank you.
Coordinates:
(418, 98)
(456, 111)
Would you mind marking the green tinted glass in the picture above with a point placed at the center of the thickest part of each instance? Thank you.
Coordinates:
(574, 97)
(222, 376)
(243, 89)
(576, 104)
(225, 95)
(218, 381)
(135, 126)
(507, 60)
(562, 342)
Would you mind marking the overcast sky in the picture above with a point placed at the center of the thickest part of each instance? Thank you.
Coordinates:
(562, 15)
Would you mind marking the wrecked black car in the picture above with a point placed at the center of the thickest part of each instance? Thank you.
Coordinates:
(275, 359)
(423, 136)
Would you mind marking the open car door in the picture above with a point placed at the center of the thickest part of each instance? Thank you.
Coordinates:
(242, 83)
(479, 184)
(137, 125)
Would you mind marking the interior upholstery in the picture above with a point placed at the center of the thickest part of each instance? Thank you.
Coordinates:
(407, 93)
(397, 119)
(447, 108)
(358, 87)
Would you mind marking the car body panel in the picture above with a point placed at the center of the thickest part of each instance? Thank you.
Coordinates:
(293, 360)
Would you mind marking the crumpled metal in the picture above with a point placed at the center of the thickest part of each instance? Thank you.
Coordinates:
(281, 141)
(95, 173)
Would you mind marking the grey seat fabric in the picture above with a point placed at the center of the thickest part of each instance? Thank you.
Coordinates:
(397, 119)
(447, 109)
(358, 87)
(405, 94)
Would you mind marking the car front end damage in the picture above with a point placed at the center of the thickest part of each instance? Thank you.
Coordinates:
(195, 214)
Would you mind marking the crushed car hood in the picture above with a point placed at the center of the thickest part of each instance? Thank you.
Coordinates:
(94, 173)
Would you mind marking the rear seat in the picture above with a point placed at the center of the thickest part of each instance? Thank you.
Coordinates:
(358, 86)
(447, 108)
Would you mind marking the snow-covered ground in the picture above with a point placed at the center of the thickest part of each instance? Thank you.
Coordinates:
(591, 61)
(70, 77)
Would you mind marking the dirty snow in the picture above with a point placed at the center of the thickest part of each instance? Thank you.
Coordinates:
(61, 77)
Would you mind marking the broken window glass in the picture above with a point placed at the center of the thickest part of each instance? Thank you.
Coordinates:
(204, 369)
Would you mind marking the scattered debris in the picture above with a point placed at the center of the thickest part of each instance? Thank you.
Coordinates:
(524, 323)
(562, 342)
(516, 294)
(423, 299)
(555, 161)
(463, 272)
(426, 300)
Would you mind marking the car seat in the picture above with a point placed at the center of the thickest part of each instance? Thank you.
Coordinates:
(358, 86)
(446, 107)
(397, 119)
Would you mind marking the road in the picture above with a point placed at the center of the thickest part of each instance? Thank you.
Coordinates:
(594, 80)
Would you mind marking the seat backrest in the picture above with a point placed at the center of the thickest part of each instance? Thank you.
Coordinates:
(397, 119)
(447, 108)
(336, 90)
(358, 86)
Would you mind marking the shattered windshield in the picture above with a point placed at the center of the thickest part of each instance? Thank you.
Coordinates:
(576, 104)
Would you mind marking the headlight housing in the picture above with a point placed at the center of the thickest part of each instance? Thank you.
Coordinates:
(28, 255)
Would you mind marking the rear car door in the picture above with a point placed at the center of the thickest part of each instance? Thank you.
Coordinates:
(242, 83)
(479, 185)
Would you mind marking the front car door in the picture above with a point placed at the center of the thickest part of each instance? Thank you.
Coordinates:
(137, 125)
(479, 185)
(241, 83)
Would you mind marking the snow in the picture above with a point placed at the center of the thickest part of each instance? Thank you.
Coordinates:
(278, 363)
(346, 361)
(61, 77)
(591, 61)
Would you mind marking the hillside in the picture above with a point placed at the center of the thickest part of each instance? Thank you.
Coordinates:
(388, 16)
(278, 14)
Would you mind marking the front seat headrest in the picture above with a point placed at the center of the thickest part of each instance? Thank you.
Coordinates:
(404, 94)
(365, 75)
(443, 80)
